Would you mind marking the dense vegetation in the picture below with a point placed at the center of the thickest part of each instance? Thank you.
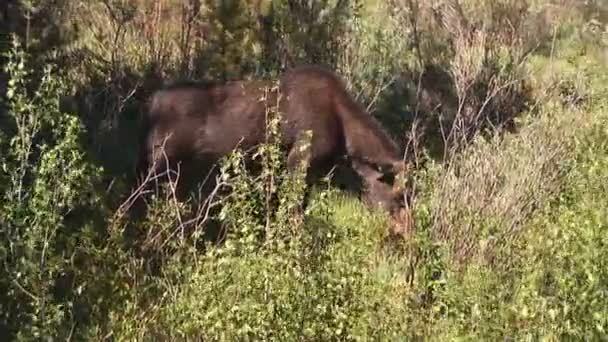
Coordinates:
(503, 105)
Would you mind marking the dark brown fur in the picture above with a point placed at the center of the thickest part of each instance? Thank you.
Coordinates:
(207, 121)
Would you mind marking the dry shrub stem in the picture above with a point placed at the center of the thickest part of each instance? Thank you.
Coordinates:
(486, 197)
(201, 215)
(486, 188)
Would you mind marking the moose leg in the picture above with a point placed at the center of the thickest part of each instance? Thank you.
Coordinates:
(298, 155)
(316, 154)
(298, 159)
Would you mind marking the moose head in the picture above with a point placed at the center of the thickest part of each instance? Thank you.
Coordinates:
(379, 193)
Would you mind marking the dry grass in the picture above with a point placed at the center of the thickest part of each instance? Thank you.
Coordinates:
(471, 62)
(487, 187)
(484, 198)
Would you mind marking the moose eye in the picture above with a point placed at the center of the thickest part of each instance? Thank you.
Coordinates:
(387, 178)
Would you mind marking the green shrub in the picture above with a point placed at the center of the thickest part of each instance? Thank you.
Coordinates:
(548, 283)
(45, 177)
(531, 225)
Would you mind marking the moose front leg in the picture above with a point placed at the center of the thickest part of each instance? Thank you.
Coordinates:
(300, 154)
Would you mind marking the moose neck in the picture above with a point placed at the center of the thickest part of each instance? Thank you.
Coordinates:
(365, 139)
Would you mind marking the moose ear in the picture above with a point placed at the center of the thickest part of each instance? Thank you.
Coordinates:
(400, 169)
(366, 171)
(398, 190)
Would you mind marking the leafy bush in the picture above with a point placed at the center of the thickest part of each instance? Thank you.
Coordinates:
(522, 231)
(547, 283)
(45, 178)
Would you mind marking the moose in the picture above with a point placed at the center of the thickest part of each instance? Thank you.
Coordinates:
(198, 123)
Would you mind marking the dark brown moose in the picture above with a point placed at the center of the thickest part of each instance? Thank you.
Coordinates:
(198, 123)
